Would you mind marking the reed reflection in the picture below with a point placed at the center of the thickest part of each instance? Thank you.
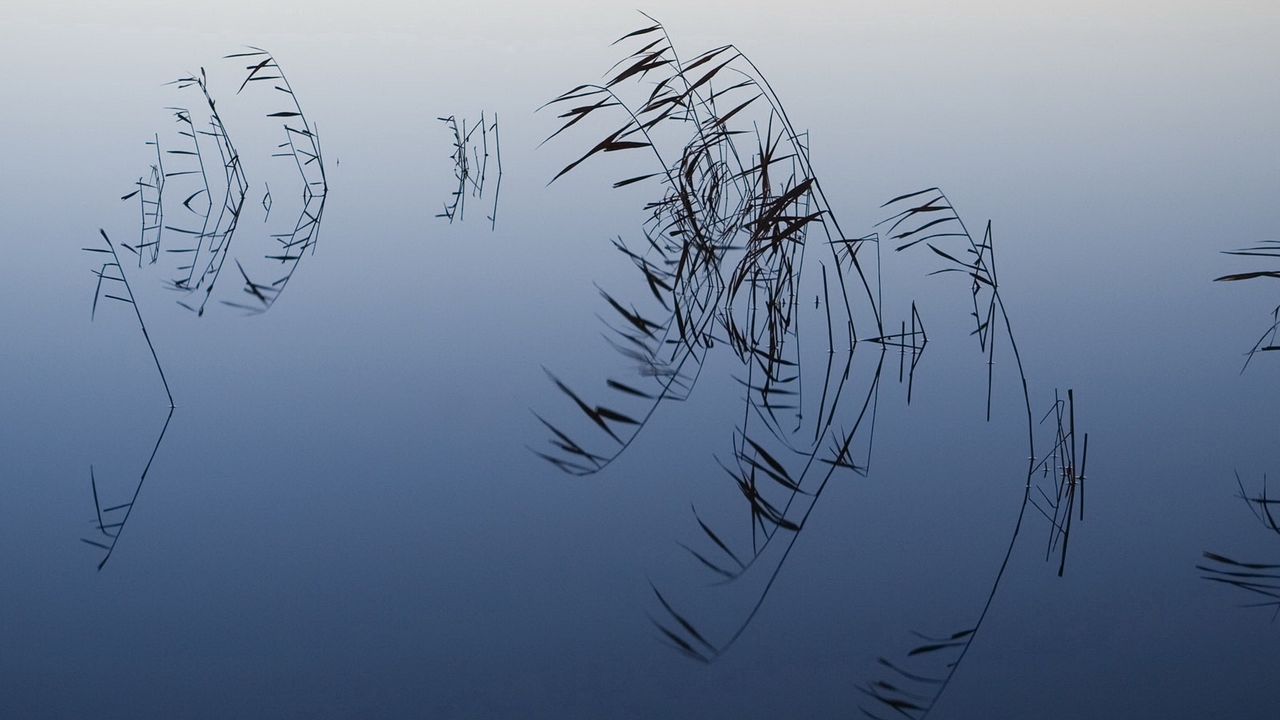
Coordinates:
(735, 213)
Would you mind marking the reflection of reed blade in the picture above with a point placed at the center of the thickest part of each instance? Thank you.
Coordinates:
(1265, 249)
(917, 682)
(781, 474)
(910, 343)
(216, 239)
(301, 147)
(470, 160)
(208, 224)
(724, 246)
(1060, 467)
(213, 205)
(198, 203)
(1256, 579)
(723, 259)
(150, 194)
(110, 520)
(112, 272)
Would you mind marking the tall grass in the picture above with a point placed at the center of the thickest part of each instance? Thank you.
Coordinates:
(210, 204)
(110, 275)
(470, 158)
(300, 147)
(1264, 249)
(216, 239)
(735, 205)
(916, 683)
(1260, 581)
(110, 520)
(735, 210)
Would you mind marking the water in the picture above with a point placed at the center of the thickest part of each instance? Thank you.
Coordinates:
(344, 517)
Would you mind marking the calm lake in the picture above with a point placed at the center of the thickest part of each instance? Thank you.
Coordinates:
(439, 449)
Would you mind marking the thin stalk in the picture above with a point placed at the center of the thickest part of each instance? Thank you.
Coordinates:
(132, 301)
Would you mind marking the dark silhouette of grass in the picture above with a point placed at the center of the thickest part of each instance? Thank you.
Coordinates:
(212, 203)
(300, 147)
(1264, 249)
(211, 207)
(216, 240)
(497, 185)
(1067, 475)
(757, 470)
(1257, 579)
(781, 488)
(925, 217)
(110, 520)
(150, 194)
(928, 218)
(723, 245)
(722, 258)
(198, 204)
(916, 682)
(471, 165)
(112, 271)
(910, 343)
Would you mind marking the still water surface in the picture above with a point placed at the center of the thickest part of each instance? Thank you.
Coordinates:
(343, 516)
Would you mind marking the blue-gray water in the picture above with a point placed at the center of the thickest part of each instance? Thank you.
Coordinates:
(344, 518)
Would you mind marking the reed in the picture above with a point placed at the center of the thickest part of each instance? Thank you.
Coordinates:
(1259, 580)
(198, 204)
(736, 209)
(213, 203)
(111, 271)
(1066, 474)
(723, 260)
(211, 210)
(497, 186)
(916, 224)
(723, 241)
(301, 148)
(927, 218)
(1264, 249)
(470, 158)
(150, 194)
(217, 239)
(110, 521)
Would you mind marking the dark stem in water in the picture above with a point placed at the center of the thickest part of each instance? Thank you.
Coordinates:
(102, 275)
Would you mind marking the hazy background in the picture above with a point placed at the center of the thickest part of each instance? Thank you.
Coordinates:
(344, 519)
